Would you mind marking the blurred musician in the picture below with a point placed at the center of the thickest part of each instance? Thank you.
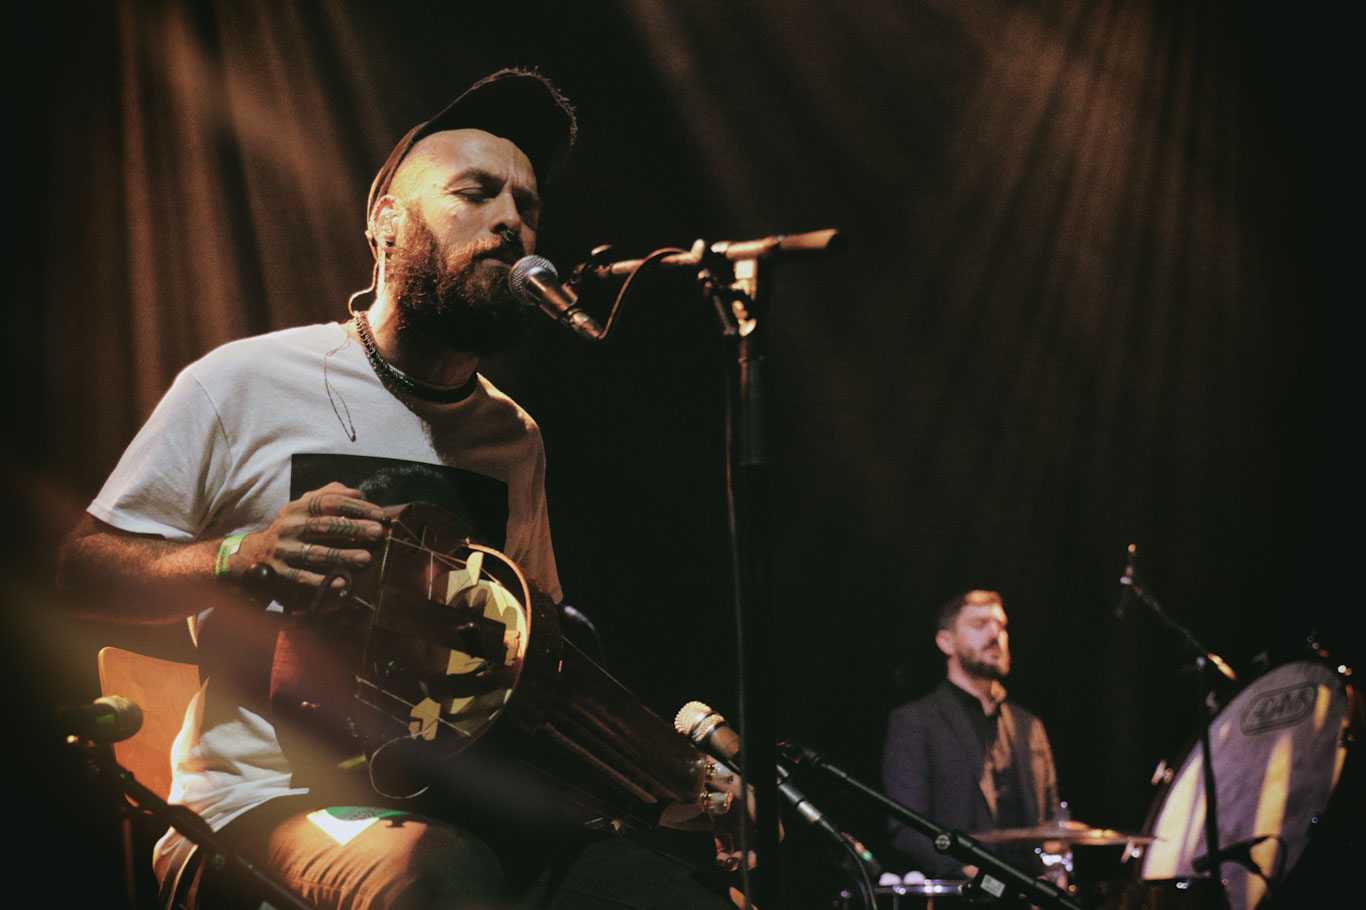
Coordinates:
(963, 756)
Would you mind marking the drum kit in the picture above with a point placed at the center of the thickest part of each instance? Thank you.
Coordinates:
(1288, 808)
(1053, 841)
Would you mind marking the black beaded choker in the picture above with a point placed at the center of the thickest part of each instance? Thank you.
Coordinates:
(396, 382)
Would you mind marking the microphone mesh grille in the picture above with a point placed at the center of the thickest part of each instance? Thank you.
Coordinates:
(689, 716)
(522, 269)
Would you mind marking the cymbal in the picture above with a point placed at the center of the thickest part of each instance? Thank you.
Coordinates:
(1068, 832)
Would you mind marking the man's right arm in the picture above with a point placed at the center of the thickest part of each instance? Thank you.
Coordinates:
(906, 776)
(136, 578)
(140, 578)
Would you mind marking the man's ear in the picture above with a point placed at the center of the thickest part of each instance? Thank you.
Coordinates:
(944, 639)
(384, 221)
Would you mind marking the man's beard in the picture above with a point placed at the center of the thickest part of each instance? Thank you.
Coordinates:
(461, 302)
(973, 666)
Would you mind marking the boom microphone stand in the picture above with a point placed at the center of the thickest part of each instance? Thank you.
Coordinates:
(130, 796)
(735, 275)
(1204, 659)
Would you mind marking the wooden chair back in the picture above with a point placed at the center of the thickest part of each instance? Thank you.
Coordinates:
(163, 689)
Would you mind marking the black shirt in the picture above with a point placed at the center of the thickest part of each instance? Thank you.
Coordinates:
(1000, 756)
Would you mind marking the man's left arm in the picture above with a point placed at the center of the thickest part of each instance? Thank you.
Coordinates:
(1045, 773)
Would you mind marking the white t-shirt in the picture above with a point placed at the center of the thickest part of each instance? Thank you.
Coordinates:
(256, 423)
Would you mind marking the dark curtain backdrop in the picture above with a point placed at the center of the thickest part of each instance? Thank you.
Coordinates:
(1096, 293)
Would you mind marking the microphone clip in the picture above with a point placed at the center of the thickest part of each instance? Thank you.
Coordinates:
(1240, 853)
(591, 268)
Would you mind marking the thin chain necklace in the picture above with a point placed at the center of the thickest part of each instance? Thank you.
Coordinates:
(398, 383)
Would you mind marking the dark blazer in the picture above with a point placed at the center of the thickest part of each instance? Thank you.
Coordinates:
(932, 764)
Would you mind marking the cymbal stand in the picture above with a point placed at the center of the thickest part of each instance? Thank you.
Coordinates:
(995, 878)
(130, 796)
(1205, 662)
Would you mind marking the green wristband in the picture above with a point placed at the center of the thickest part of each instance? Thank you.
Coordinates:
(228, 547)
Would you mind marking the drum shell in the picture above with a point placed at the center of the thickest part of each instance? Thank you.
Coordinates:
(1151, 894)
(1283, 765)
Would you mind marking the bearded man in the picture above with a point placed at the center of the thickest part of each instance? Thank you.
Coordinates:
(284, 450)
(963, 756)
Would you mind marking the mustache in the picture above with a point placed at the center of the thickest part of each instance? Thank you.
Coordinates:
(507, 247)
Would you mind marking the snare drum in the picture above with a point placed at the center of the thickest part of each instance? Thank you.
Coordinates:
(925, 895)
(1279, 750)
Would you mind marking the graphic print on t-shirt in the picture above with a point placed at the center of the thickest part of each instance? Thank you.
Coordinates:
(479, 501)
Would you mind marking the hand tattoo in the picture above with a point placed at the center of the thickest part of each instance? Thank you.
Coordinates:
(334, 526)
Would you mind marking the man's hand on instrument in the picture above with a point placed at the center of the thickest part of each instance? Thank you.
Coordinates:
(726, 827)
(321, 531)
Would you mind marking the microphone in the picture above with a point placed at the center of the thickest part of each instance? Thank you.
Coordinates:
(708, 730)
(804, 807)
(110, 719)
(816, 817)
(534, 280)
(1127, 580)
